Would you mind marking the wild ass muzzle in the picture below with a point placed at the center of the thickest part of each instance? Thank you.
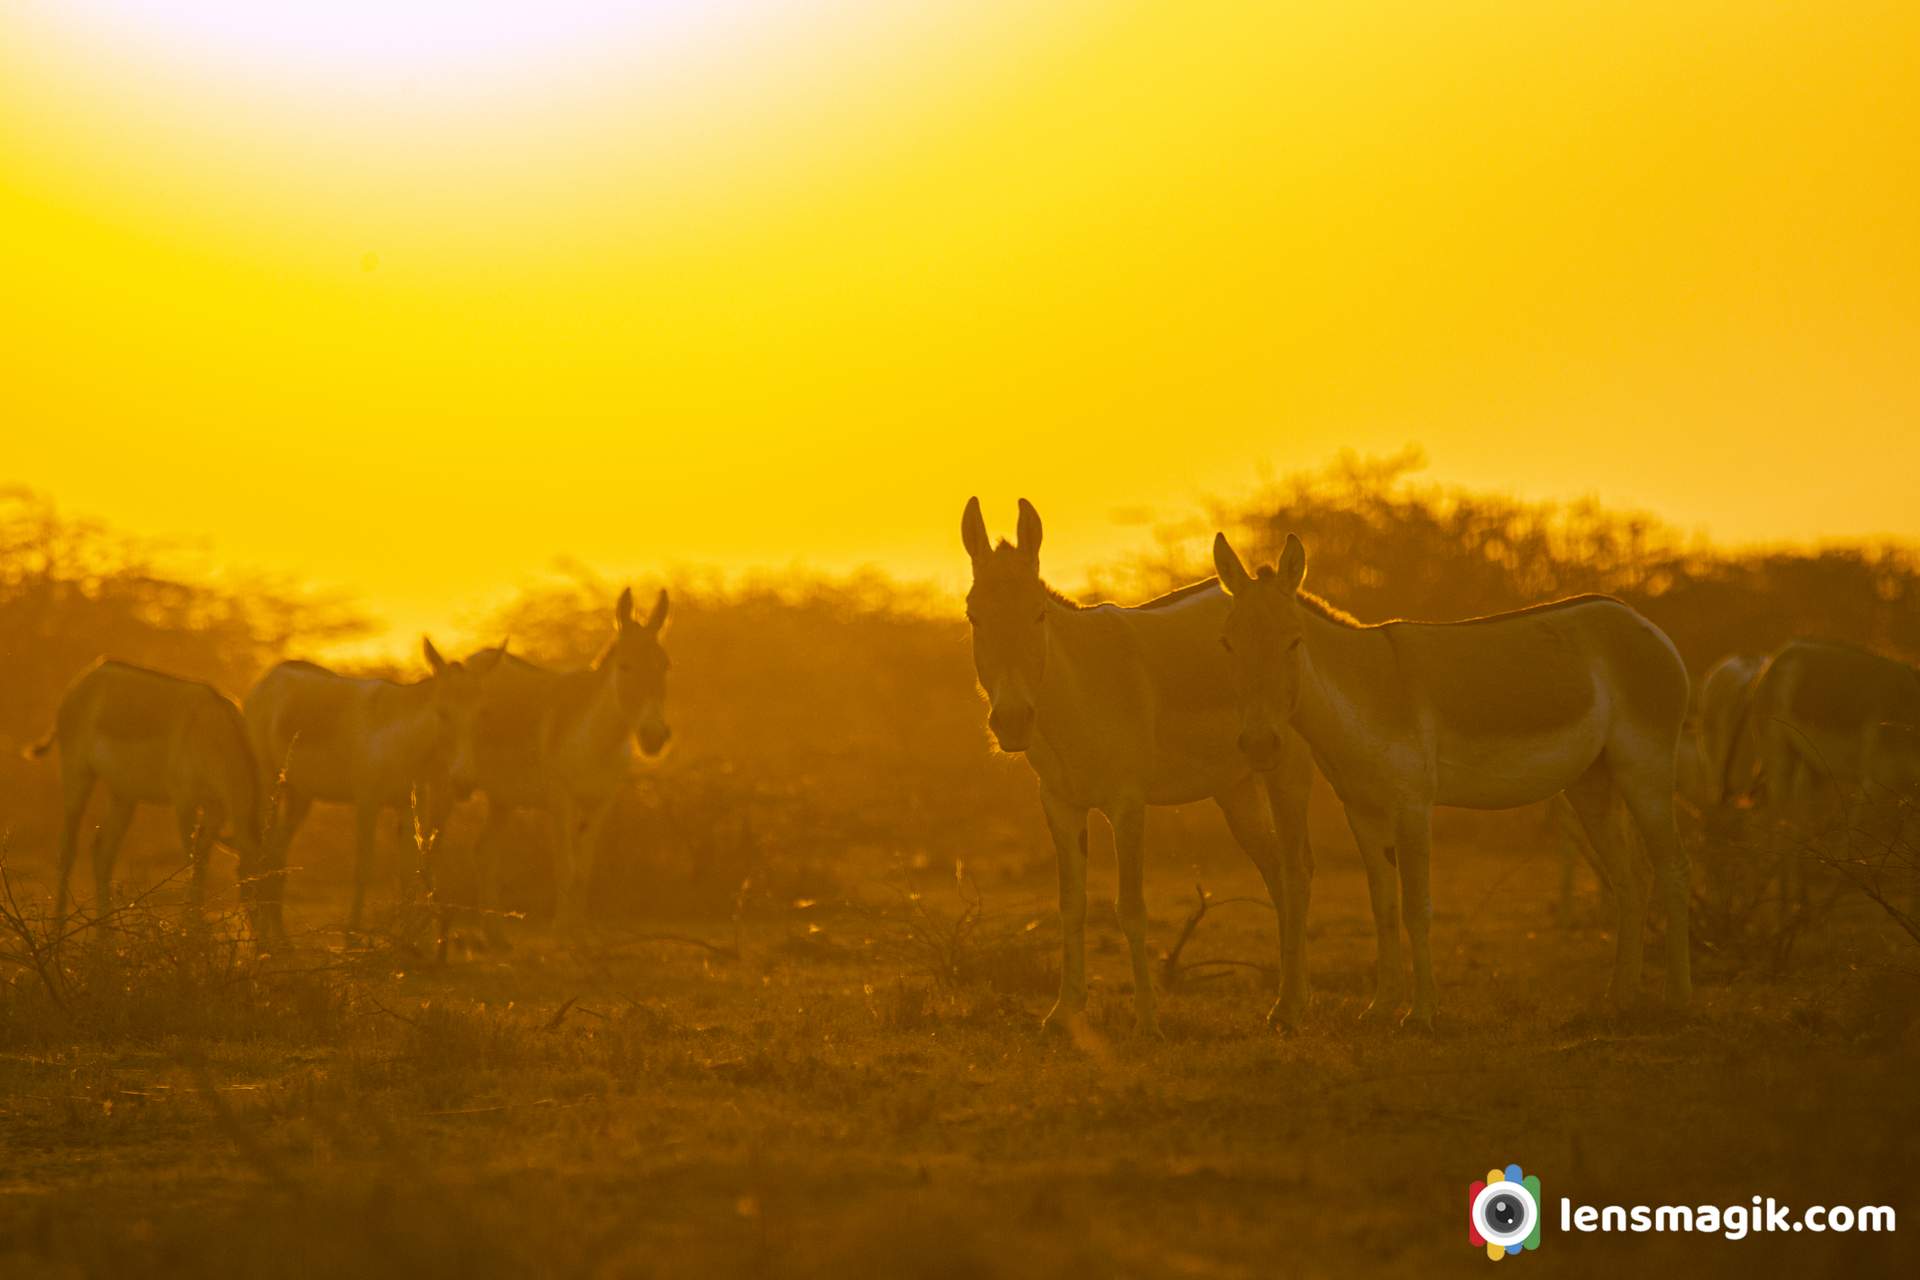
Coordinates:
(152, 738)
(1583, 696)
(374, 744)
(561, 742)
(1117, 708)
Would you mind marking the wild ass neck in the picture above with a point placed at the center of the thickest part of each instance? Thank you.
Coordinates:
(1057, 702)
(1327, 714)
(605, 726)
(404, 718)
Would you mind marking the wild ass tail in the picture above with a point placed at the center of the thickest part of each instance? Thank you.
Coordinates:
(38, 750)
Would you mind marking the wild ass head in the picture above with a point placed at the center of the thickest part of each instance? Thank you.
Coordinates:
(1264, 634)
(638, 665)
(1007, 609)
(455, 702)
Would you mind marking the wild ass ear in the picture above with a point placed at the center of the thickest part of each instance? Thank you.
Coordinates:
(1226, 563)
(1293, 563)
(658, 617)
(434, 660)
(1026, 535)
(487, 659)
(973, 530)
(623, 609)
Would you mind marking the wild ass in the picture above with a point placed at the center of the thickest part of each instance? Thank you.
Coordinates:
(371, 743)
(1814, 720)
(1121, 707)
(153, 738)
(1582, 696)
(561, 742)
(1831, 725)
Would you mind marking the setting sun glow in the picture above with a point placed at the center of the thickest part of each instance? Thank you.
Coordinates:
(410, 299)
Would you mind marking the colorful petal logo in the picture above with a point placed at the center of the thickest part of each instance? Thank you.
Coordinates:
(1503, 1212)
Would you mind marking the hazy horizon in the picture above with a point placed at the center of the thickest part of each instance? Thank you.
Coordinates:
(757, 284)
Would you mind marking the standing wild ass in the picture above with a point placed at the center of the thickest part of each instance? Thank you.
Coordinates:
(158, 739)
(561, 742)
(1117, 708)
(1583, 696)
(374, 744)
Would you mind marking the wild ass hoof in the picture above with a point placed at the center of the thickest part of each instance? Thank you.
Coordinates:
(1380, 1012)
(1285, 1018)
(1418, 1022)
(1148, 1029)
(1071, 1023)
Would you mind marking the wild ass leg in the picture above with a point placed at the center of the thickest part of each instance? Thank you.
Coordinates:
(1416, 841)
(196, 842)
(1650, 801)
(422, 826)
(1791, 789)
(1374, 834)
(289, 815)
(566, 841)
(486, 852)
(1287, 790)
(106, 848)
(76, 786)
(1068, 823)
(1130, 847)
(1250, 819)
(1592, 798)
(593, 827)
(1572, 848)
(1805, 800)
(424, 821)
(366, 832)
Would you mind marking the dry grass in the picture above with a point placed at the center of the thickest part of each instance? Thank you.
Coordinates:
(799, 1043)
(862, 1088)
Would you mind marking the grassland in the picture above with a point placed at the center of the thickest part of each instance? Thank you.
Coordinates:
(853, 1083)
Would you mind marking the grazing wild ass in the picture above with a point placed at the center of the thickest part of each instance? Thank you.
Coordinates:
(1117, 708)
(561, 742)
(1582, 696)
(1831, 726)
(1815, 721)
(157, 739)
(374, 744)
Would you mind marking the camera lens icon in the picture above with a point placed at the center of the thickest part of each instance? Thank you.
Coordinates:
(1503, 1213)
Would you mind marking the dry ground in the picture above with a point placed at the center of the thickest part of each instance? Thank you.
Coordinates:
(828, 1101)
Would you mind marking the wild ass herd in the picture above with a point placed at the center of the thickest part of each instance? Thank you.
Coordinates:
(524, 736)
(1233, 689)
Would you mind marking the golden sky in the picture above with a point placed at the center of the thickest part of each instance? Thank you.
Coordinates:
(411, 298)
